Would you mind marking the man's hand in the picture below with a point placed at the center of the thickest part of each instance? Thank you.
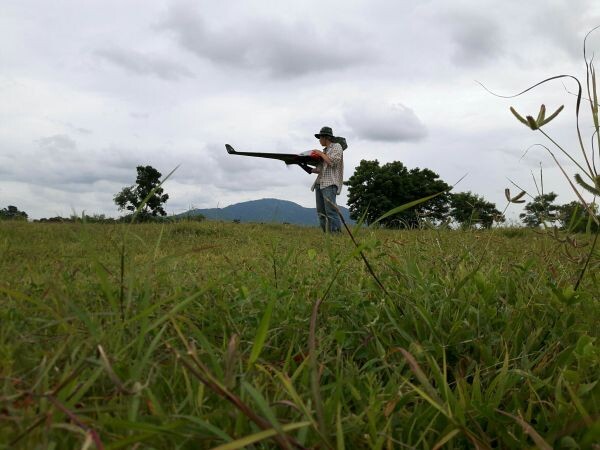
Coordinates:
(308, 169)
(318, 154)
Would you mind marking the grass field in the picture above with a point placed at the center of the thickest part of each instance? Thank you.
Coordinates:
(199, 335)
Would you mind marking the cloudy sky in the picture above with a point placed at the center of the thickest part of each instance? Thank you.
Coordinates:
(89, 90)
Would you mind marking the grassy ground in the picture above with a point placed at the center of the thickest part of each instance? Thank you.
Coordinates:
(198, 335)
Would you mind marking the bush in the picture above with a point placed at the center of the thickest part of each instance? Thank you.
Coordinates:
(12, 213)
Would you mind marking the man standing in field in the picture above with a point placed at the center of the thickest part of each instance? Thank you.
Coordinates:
(328, 184)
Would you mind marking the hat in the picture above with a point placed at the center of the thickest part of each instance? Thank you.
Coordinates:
(325, 131)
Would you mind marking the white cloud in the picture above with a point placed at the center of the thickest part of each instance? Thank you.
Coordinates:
(478, 40)
(143, 64)
(57, 143)
(381, 121)
(282, 48)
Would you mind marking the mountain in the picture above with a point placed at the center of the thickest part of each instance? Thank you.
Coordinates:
(266, 210)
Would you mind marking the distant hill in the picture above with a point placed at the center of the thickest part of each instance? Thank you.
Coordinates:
(266, 210)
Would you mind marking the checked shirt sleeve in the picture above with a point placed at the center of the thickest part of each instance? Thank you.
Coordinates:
(335, 152)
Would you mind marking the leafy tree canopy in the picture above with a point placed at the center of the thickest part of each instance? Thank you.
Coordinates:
(576, 219)
(541, 210)
(374, 190)
(12, 213)
(470, 210)
(146, 188)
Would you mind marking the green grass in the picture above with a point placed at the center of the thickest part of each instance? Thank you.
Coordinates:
(195, 335)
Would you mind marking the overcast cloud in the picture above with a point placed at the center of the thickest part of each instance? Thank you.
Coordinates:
(384, 122)
(90, 90)
(141, 64)
(281, 47)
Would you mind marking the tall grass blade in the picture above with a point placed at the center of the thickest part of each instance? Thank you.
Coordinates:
(260, 436)
(315, 384)
(406, 206)
(447, 438)
(540, 442)
(420, 375)
(265, 409)
(261, 333)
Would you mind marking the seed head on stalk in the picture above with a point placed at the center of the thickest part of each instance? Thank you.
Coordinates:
(516, 198)
(588, 187)
(536, 124)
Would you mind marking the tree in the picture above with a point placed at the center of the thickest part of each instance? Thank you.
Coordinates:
(574, 217)
(12, 213)
(470, 210)
(541, 210)
(374, 190)
(147, 182)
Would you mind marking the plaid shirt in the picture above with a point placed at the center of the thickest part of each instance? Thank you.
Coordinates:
(331, 174)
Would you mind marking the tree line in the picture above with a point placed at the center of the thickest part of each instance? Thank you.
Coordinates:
(143, 200)
(373, 190)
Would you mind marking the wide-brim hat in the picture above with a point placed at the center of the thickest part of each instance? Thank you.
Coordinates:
(325, 131)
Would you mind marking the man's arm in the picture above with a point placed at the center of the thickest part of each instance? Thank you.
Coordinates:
(333, 157)
(323, 156)
(335, 154)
